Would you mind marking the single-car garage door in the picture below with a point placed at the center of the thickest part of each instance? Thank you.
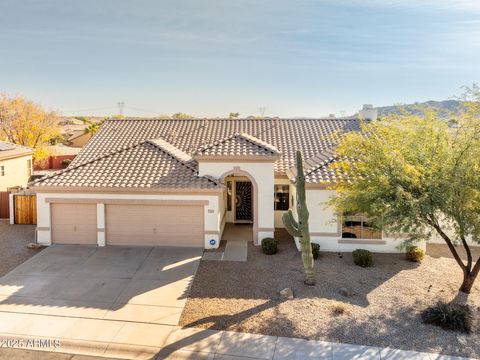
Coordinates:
(74, 223)
(169, 225)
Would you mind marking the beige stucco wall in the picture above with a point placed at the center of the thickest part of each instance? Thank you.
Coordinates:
(263, 175)
(16, 172)
(211, 212)
(325, 228)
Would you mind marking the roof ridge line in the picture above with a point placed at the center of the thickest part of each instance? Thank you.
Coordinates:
(244, 135)
(325, 157)
(256, 141)
(324, 160)
(63, 171)
(214, 143)
(188, 166)
(168, 151)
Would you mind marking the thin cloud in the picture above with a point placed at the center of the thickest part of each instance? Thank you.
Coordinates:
(424, 5)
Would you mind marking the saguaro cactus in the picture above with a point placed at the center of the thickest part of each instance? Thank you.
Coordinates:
(300, 229)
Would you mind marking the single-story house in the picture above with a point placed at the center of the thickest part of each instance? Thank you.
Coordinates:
(178, 182)
(79, 138)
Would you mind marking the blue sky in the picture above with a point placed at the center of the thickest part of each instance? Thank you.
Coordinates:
(211, 57)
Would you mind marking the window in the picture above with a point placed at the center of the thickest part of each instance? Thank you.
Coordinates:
(282, 195)
(29, 168)
(358, 227)
(2, 170)
(229, 195)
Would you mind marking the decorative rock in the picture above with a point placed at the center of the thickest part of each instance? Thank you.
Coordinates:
(287, 293)
(346, 292)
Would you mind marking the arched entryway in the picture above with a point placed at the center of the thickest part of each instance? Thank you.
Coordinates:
(241, 201)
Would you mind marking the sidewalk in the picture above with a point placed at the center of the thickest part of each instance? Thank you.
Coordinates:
(133, 340)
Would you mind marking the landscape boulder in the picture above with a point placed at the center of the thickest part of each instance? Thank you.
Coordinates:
(346, 292)
(286, 293)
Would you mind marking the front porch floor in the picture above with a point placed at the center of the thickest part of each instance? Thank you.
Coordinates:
(237, 237)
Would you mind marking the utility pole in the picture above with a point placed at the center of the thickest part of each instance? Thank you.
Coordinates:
(120, 104)
(262, 110)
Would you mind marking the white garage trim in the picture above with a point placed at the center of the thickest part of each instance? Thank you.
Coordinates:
(125, 201)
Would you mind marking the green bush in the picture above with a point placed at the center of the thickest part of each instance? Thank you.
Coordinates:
(315, 250)
(455, 317)
(269, 246)
(415, 254)
(363, 258)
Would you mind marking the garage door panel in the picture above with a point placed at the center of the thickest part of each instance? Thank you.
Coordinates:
(167, 225)
(74, 223)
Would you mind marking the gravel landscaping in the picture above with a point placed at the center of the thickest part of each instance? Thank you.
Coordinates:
(13, 245)
(379, 306)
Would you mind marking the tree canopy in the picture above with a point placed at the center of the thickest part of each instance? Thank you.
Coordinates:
(26, 123)
(415, 175)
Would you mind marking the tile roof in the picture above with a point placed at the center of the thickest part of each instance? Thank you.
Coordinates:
(172, 150)
(239, 144)
(158, 152)
(9, 150)
(311, 136)
(141, 166)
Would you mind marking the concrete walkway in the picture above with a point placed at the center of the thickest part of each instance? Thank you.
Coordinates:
(122, 340)
(236, 249)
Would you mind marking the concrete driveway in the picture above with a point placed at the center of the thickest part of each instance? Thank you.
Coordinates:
(89, 297)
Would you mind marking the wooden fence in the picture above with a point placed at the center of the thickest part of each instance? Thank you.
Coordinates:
(4, 205)
(25, 209)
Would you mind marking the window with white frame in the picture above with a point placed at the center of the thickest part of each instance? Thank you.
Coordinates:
(2, 170)
(358, 227)
(282, 195)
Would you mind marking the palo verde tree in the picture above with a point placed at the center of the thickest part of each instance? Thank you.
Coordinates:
(418, 176)
(26, 123)
(300, 228)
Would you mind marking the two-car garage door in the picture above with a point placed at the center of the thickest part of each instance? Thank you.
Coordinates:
(154, 225)
(129, 224)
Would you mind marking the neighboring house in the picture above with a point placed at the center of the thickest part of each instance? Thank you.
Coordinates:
(58, 154)
(15, 165)
(15, 171)
(75, 132)
(79, 138)
(177, 182)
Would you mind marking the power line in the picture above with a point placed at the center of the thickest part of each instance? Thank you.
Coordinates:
(92, 109)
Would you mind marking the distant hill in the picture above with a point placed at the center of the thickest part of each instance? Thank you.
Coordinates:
(445, 108)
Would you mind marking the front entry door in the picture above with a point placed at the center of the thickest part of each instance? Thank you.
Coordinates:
(243, 201)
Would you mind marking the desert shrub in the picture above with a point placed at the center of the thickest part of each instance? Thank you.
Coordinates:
(339, 309)
(414, 254)
(315, 250)
(455, 317)
(65, 163)
(363, 258)
(269, 246)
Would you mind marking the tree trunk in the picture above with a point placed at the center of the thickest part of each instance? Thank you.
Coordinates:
(468, 280)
